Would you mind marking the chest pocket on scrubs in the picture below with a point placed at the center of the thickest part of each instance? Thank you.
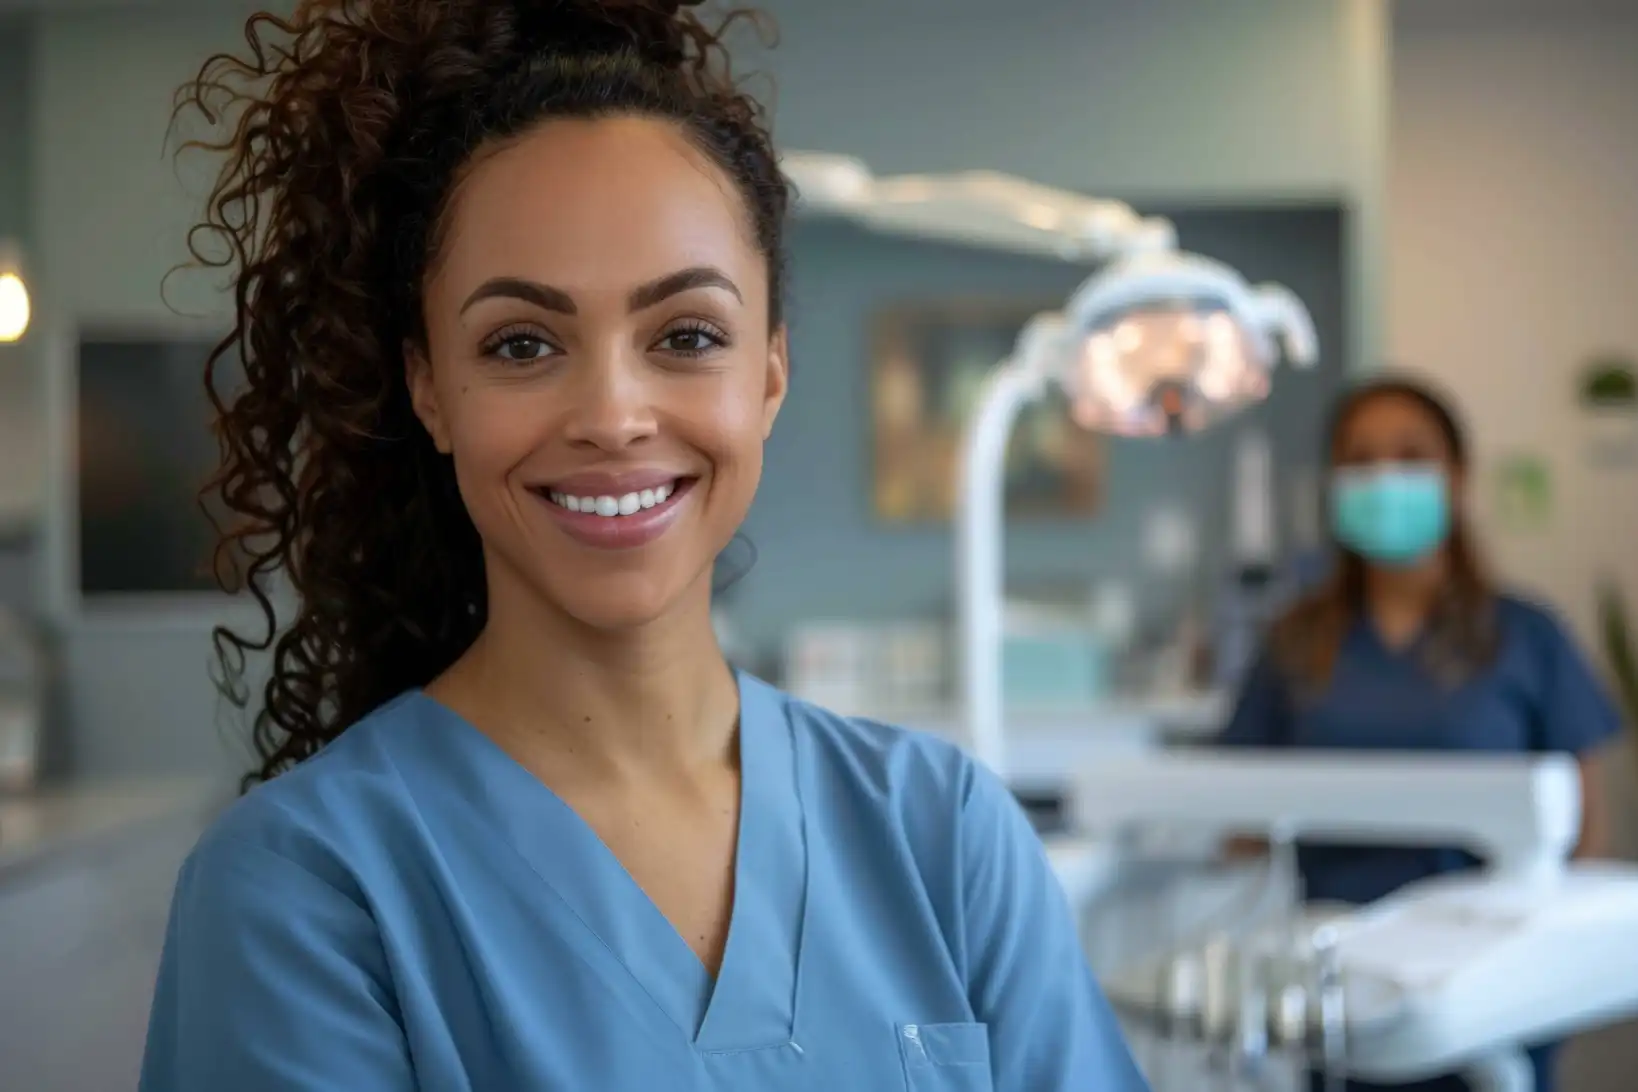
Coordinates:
(946, 1057)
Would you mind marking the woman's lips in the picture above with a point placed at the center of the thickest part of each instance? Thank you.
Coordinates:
(617, 521)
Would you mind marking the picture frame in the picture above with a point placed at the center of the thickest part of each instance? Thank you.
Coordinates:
(929, 360)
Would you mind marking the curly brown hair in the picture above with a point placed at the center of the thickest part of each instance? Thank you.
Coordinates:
(347, 125)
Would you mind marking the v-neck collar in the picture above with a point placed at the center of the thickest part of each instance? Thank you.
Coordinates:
(1406, 648)
(752, 1002)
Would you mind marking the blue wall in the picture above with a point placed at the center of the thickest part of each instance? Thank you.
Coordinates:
(821, 551)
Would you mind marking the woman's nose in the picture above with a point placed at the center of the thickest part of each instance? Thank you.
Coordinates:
(611, 406)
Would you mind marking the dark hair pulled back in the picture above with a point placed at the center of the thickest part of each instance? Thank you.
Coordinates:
(348, 124)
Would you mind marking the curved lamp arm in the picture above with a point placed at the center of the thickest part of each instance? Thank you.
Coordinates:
(986, 210)
(1053, 349)
(1276, 308)
(981, 500)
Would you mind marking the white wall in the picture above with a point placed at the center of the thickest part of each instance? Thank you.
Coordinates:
(1512, 216)
(1511, 256)
(1169, 98)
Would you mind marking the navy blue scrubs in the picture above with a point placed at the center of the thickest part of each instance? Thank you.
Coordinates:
(1540, 694)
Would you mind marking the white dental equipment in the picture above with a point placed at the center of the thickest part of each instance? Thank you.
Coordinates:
(1155, 343)
(1520, 813)
(1448, 974)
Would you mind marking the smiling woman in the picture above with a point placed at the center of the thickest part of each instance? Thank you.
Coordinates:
(596, 347)
(510, 311)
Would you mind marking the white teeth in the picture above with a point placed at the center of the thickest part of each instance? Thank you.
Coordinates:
(612, 506)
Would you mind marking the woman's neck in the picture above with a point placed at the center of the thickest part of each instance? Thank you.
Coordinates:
(1399, 600)
(656, 700)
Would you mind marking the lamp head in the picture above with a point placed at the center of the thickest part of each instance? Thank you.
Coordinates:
(1166, 343)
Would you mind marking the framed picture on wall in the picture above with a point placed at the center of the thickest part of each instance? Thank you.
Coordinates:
(928, 363)
(144, 448)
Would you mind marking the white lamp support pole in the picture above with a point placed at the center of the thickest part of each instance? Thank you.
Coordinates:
(981, 500)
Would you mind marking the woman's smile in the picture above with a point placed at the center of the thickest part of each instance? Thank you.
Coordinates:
(617, 515)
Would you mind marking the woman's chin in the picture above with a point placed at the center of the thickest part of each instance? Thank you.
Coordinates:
(613, 603)
(602, 592)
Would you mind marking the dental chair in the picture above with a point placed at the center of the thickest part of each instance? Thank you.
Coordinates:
(1453, 974)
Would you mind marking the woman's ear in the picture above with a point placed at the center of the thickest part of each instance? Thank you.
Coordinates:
(778, 379)
(424, 395)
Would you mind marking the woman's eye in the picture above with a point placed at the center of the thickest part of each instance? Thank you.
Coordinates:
(522, 349)
(691, 342)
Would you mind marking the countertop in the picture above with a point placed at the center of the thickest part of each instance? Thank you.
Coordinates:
(39, 825)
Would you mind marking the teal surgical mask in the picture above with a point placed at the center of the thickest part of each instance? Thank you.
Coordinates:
(1392, 513)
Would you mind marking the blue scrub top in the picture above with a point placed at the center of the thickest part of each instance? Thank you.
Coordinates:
(411, 909)
(1538, 695)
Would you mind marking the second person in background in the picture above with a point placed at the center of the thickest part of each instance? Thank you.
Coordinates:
(1411, 646)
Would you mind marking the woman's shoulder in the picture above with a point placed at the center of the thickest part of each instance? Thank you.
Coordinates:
(916, 789)
(879, 758)
(1523, 616)
(327, 812)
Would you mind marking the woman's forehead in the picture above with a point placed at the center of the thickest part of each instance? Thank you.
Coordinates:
(594, 205)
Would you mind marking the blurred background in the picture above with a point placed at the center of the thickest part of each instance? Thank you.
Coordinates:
(1447, 184)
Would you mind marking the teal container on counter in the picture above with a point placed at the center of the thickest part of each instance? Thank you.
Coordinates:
(1053, 666)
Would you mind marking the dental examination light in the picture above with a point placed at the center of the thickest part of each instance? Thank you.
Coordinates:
(1158, 343)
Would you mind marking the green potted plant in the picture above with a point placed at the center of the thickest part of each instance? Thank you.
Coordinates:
(1618, 647)
(1608, 382)
(1608, 393)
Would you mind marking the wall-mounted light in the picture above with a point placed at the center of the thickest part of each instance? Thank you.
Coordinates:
(14, 303)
